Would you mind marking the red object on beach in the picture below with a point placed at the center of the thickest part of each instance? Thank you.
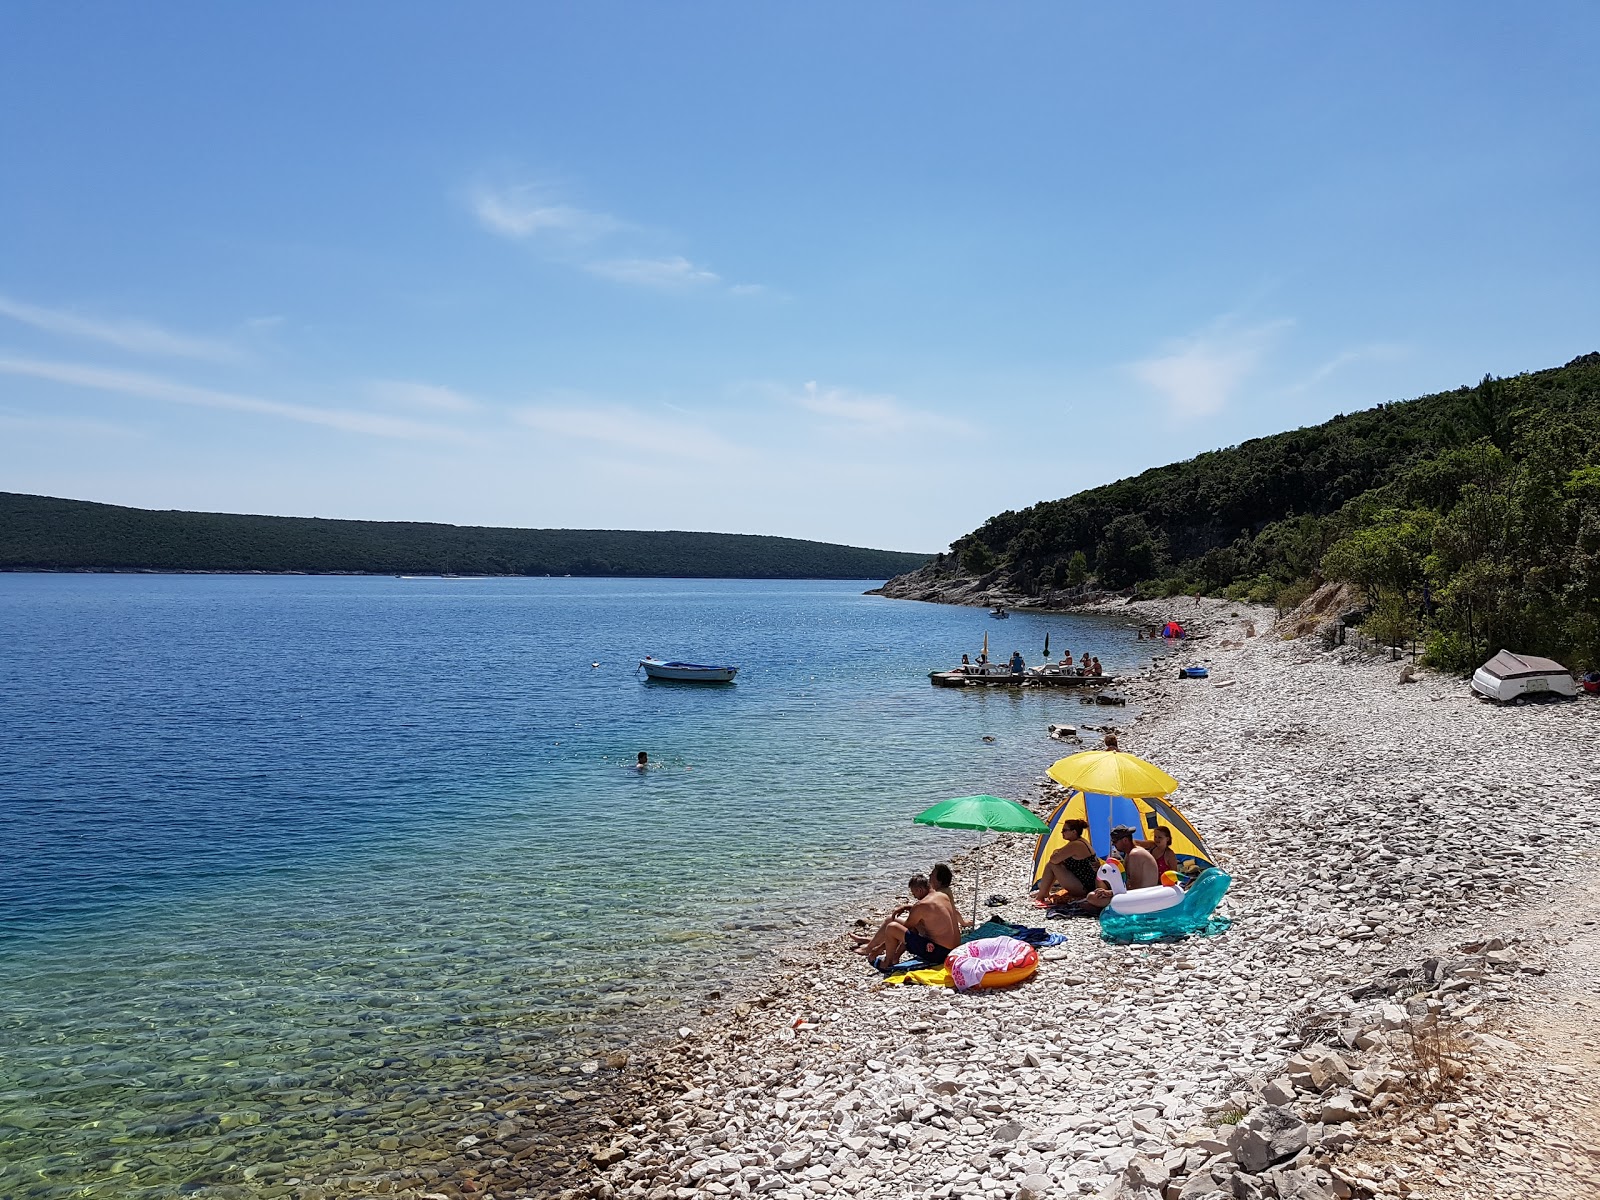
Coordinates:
(1172, 630)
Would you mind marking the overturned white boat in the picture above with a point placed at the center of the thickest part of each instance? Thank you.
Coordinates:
(683, 672)
(1507, 677)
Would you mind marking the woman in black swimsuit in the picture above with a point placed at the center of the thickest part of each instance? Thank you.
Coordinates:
(1071, 869)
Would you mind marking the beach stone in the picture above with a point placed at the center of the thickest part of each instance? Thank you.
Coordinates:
(1147, 1173)
(1279, 1091)
(1271, 1134)
(1341, 1107)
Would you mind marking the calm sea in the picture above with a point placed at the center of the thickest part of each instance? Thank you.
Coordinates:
(291, 869)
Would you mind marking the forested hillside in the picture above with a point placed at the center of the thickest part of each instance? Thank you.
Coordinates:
(1470, 518)
(42, 533)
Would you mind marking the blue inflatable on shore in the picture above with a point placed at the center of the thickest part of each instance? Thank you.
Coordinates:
(1192, 914)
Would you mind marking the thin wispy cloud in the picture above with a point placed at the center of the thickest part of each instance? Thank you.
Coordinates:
(529, 211)
(1197, 376)
(151, 387)
(65, 426)
(606, 246)
(624, 427)
(665, 273)
(869, 413)
(134, 336)
(420, 397)
(1378, 352)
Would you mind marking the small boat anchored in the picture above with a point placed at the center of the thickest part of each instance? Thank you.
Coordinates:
(683, 672)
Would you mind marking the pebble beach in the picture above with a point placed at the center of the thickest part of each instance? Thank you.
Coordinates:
(1399, 1008)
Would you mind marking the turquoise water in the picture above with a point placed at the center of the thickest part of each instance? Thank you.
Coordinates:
(294, 872)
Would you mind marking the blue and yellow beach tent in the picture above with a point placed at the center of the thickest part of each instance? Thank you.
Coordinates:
(1104, 813)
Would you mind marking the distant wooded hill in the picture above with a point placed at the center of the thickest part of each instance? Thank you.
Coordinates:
(1470, 518)
(43, 533)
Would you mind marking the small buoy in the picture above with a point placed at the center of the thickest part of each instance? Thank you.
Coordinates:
(594, 665)
(988, 737)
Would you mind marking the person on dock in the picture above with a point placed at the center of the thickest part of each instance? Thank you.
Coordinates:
(1019, 665)
(1138, 864)
(1083, 665)
(1070, 873)
(1094, 667)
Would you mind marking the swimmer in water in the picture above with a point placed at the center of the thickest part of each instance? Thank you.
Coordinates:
(644, 762)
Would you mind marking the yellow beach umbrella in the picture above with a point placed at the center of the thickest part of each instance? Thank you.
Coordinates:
(1112, 773)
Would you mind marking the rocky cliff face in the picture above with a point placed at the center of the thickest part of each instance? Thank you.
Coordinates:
(946, 583)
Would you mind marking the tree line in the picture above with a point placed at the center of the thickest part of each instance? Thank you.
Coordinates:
(45, 533)
(1470, 520)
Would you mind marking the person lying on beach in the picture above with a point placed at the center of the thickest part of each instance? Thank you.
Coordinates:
(931, 928)
(1138, 864)
(1069, 875)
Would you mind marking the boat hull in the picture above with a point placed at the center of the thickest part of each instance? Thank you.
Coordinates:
(677, 672)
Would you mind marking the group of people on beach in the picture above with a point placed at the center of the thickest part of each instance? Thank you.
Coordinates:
(930, 926)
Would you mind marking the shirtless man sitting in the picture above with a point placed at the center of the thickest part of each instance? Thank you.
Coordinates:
(1138, 865)
(928, 928)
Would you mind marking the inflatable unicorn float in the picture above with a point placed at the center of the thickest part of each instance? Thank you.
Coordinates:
(1166, 910)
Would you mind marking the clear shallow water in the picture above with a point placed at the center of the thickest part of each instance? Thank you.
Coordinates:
(295, 871)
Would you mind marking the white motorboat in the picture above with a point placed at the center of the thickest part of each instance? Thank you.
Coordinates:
(683, 672)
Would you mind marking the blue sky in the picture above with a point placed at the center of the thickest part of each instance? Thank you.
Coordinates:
(862, 273)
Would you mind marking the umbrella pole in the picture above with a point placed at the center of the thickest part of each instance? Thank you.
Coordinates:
(976, 883)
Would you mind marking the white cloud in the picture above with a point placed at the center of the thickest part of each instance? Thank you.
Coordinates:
(666, 273)
(150, 387)
(139, 337)
(623, 427)
(868, 413)
(528, 211)
(1198, 375)
(420, 397)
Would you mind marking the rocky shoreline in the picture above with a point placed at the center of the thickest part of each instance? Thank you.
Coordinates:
(944, 583)
(1398, 1010)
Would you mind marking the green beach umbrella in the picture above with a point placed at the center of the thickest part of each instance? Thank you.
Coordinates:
(988, 814)
(993, 814)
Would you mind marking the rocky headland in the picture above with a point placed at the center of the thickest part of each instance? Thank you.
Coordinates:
(1401, 1008)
